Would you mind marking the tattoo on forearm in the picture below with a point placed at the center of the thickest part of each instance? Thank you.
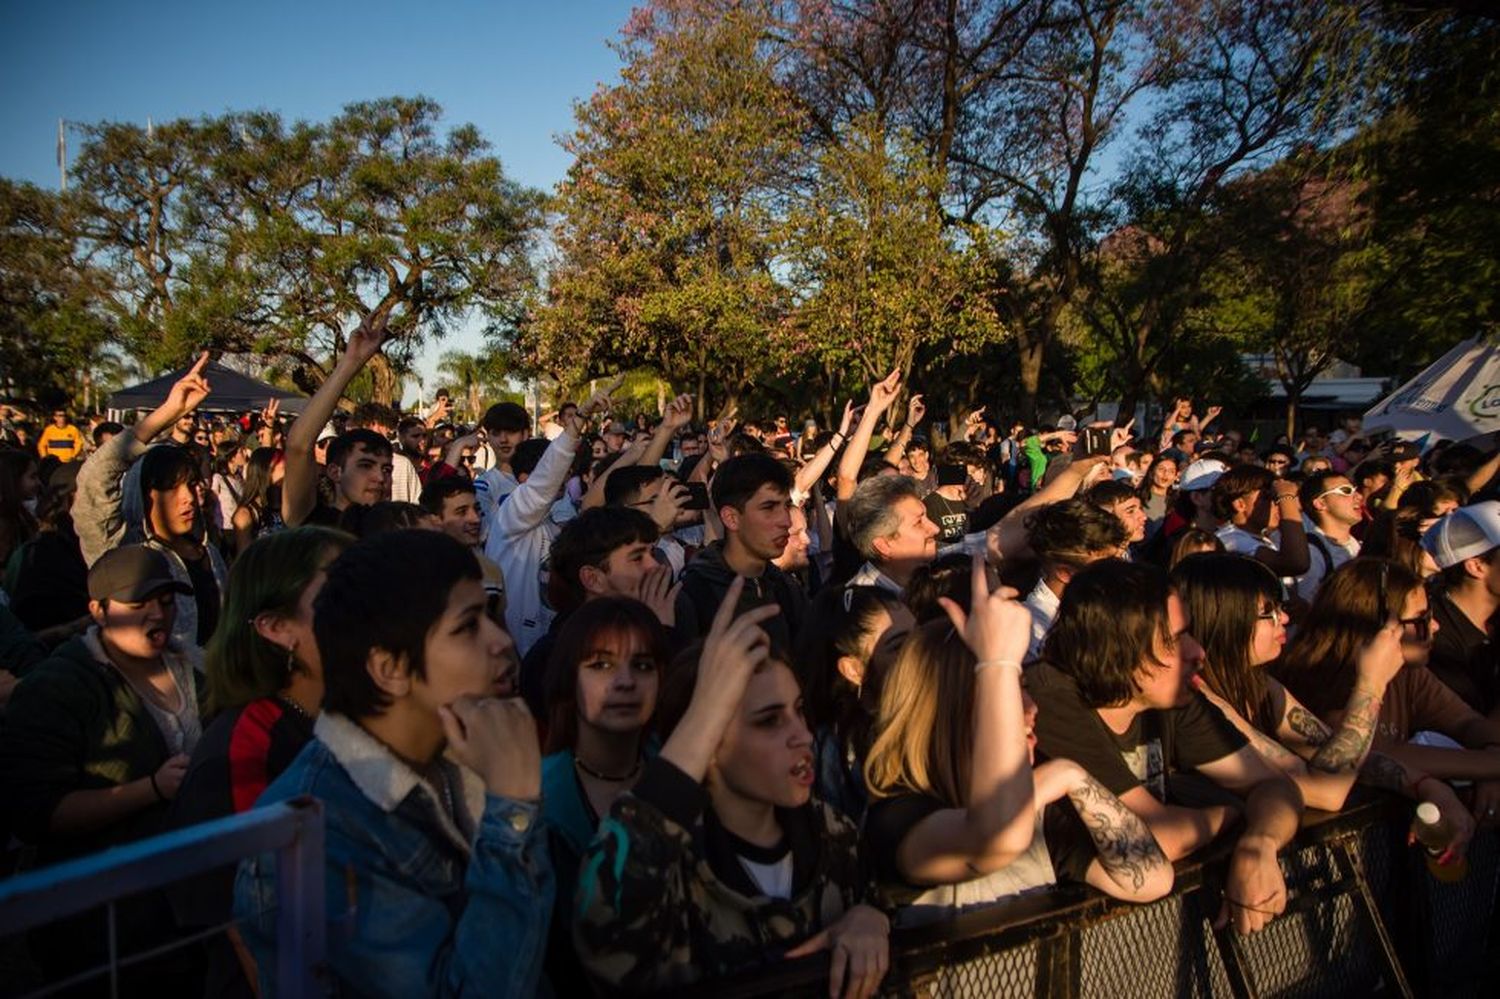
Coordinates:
(1383, 772)
(1307, 725)
(1127, 850)
(1274, 752)
(1346, 750)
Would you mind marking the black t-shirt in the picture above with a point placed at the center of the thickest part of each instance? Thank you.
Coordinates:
(1463, 657)
(205, 593)
(951, 516)
(1157, 743)
(323, 515)
(889, 820)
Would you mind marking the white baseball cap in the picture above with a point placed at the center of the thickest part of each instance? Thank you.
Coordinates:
(1466, 532)
(1202, 474)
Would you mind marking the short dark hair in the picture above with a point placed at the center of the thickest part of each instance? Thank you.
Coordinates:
(741, 477)
(625, 485)
(1314, 484)
(527, 455)
(370, 414)
(1111, 614)
(107, 427)
(1110, 493)
(436, 492)
(407, 422)
(596, 621)
(167, 466)
(588, 539)
(507, 416)
(1067, 533)
(1239, 481)
(385, 592)
(342, 446)
(367, 520)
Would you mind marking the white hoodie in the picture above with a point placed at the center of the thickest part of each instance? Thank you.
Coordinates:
(520, 538)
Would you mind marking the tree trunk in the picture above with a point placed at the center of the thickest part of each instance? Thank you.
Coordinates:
(1033, 349)
(1292, 400)
(385, 381)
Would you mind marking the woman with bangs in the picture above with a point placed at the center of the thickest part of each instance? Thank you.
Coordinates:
(720, 860)
(1235, 605)
(1320, 668)
(602, 680)
(957, 816)
(259, 510)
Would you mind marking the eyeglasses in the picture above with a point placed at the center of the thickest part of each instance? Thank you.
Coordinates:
(1344, 490)
(1272, 613)
(467, 459)
(1421, 625)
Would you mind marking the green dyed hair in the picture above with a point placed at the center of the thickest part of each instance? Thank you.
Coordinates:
(269, 577)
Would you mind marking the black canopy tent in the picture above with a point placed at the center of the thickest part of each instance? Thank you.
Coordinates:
(230, 392)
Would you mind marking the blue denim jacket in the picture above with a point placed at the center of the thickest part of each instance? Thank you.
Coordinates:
(417, 904)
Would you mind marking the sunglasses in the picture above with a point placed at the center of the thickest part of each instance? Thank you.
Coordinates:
(467, 459)
(1421, 625)
(1344, 490)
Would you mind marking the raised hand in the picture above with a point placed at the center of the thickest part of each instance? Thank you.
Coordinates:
(189, 391)
(1120, 436)
(851, 416)
(268, 415)
(976, 418)
(916, 409)
(679, 413)
(1380, 659)
(168, 776)
(669, 503)
(884, 392)
(997, 627)
(497, 740)
(368, 337)
(656, 591)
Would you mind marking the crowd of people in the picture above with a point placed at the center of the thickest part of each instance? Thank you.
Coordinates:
(615, 705)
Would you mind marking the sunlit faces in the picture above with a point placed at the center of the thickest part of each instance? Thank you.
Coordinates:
(765, 524)
(365, 476)
(621, 573)
(1163, 474)
(505, 442)
(1340, 501)
(467, 654)
(174, 511)
(915, 539)
(1170, 684)
(1269, 636)
(1131, 514)
(794, 556)
(413, 438)
(460, 518)
(1417, 628)
(617, 684)
(766, 753)
(138, 630)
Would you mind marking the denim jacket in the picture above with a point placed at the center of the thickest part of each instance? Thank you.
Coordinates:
(417, 904)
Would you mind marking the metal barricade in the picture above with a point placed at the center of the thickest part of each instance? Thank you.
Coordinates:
(1364, 917)
(293, 829)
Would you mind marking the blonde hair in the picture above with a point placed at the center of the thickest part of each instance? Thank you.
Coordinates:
(924, 732)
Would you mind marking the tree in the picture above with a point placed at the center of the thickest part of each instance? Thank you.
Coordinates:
(475, 377)
(667, 221)
(53, 337)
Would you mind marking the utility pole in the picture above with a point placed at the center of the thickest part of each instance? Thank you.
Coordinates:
(62, 156)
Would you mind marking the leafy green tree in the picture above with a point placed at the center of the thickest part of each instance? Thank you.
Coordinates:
(476, 378)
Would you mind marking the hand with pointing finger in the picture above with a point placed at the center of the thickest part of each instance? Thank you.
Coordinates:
(861, 945)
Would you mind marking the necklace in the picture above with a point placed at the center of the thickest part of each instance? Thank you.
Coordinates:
(610, 778)
(296, 708)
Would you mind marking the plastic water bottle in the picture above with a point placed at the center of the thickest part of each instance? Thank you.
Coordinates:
(1433, 830)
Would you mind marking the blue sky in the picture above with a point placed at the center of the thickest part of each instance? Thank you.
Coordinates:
(512, 68)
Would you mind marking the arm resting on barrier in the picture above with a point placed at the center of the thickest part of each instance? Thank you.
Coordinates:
(1254, 890)
(1178, 830)
(1130, 865)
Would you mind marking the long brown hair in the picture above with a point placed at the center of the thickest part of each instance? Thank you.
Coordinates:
(924, 733)
(597, 622)
(1319, 665)
(1223, 595)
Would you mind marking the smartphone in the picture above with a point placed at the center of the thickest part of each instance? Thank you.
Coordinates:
(1091, 441)
(697, 496)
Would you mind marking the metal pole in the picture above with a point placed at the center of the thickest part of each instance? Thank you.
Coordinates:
(300, 913)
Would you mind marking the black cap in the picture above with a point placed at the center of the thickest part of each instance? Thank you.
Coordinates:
(1405, 451)
(132, 573)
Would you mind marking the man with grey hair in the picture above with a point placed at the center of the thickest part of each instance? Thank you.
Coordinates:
(887, 523)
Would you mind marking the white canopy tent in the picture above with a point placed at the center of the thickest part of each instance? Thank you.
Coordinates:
(1457, 397)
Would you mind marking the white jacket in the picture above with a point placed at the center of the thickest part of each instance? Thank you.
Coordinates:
(520, 538)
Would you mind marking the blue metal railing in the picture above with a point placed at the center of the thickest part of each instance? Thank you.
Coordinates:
(293, 829)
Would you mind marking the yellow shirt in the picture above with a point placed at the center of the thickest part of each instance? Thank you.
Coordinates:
(64, 443)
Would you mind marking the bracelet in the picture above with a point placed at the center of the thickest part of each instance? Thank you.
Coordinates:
(984, 664)
(157, 790)
(837, 441)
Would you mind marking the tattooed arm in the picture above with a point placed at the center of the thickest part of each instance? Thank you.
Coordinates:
(1130, 865)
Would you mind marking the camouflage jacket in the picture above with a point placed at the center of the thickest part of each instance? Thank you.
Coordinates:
(653, 913)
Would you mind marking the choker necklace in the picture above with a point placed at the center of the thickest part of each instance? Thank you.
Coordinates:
(611, 778)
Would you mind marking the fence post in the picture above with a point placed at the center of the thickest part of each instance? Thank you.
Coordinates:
(300, 912)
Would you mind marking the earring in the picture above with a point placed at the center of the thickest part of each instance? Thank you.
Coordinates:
(291, 658)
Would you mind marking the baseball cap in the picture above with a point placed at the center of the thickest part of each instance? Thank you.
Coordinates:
(1466, 532)
(1405, 451)
(1066, 422)
(132, 573)
(1202, 474)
